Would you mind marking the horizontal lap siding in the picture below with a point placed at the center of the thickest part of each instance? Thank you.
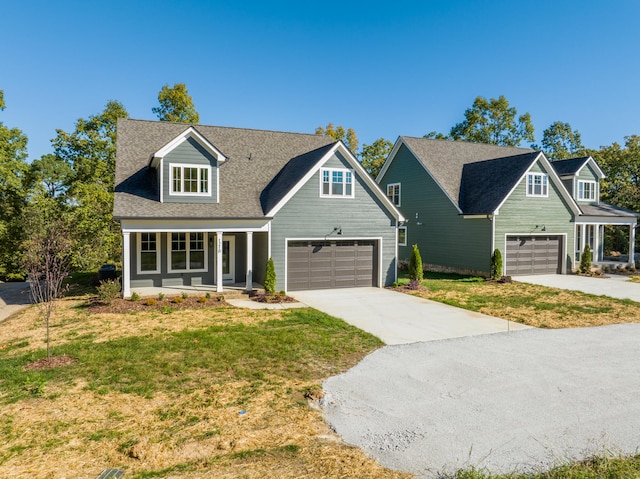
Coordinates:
(189, 152)
(307, 216)
(444, 237)
(525, 215)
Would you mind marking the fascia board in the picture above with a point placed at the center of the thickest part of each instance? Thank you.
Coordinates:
(190, 132)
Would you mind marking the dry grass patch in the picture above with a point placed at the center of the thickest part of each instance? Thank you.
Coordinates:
(216, 392)
(534, 305)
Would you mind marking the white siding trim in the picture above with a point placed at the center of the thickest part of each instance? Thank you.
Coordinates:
(190, 132)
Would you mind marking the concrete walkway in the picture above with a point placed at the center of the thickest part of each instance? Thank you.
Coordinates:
(398, 318)
(615, 286)
(13, 298)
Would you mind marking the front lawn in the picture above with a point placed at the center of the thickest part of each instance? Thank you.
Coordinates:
(529, 304)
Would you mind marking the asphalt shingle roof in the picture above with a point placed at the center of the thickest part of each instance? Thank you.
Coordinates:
(605, 209)
(570, 166)
(254, 158)
(446, 161)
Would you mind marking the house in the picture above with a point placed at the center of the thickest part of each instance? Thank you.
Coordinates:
(463, 200)
(204, 205)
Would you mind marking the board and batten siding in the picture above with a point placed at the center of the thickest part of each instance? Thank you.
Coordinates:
(308, 216)
(443, 236)
(192, 153)
(527, 215)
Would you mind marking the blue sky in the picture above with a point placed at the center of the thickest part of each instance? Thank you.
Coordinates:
(382, 68)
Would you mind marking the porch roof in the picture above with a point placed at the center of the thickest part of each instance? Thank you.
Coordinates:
(605, 209)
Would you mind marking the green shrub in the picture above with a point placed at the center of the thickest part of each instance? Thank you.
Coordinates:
(135, 296)
(15, 277)
(270, 277)
(415, 265)
(496, 264)
(208, 295)
(585, 260)
(108, 291)
(160, 296)
(184, 295)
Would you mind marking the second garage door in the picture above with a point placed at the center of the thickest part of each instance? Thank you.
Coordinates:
(533, 255)
(331, 264)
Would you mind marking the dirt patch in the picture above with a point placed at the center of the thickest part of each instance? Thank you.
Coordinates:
(50, 363)
(272, 298)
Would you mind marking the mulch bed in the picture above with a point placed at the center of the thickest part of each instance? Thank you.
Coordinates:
(53, 362)
(120, 305)
(271, 298)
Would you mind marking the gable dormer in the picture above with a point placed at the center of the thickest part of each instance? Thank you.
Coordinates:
(581, 177)
(188, 169)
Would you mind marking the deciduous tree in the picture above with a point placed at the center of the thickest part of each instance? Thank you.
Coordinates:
(176, 105)
(374, 155)
(560, 142)
(495, 122)
(347, 136)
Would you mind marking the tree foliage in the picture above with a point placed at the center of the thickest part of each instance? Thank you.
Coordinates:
(14, 186)
(53, 174)
(495, 122)
(436, 135)
(585, 260)
(374, 155)
(560, 142)
(270, 277)
(415, 265)
(176, 105)
(496, 264)
(347, 136)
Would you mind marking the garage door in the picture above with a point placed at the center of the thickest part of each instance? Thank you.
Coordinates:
(331, 264)
(533, 255)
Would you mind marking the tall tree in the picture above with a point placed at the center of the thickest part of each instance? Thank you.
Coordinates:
(13, 193)
(374, 155)
(493, 121)
(52, 173)
(560, 142)
(176, 105)
(436, 135)
(347, 136)
(90, 152)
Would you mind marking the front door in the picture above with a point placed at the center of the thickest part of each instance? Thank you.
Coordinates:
(228, 259)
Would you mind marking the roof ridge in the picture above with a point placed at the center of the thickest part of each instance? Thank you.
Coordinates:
(491, 145)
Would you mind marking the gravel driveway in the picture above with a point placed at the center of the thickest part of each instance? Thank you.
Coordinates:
(519, 401)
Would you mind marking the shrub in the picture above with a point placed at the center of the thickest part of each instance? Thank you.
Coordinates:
(160, 296)
(15, 277)
(415, 265)
(135, 296)
(150, 302)
(108, 291)
(496, 264)
(270, 277)
(208, 295)
(202, 299)
(184, 295)
(585, 260)
(220, 299)
(177, 300)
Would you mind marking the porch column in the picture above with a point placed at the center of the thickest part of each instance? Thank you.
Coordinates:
(596, 243)
(249, 260)
(583, 238)
(219, 261)
(126, 264)
(632, 244)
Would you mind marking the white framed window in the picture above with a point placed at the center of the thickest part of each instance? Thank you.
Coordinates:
(189, 180)
(187, 252)
(537, 184)
(586, 190)
(148, 253)
(336, 182)
(393, 193)
(402, 236)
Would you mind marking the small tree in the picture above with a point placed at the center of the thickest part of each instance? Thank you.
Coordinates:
(415, 265)
(496, 264)
(270, 277)
(585, 260)
(47, 259)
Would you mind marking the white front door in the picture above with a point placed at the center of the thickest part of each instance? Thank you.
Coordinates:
(228, 259)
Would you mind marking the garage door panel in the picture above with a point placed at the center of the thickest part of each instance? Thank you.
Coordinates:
(330, 264)
(533, 255)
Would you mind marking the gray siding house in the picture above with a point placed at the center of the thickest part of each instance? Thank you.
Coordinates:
(203, 205)
(463, 200)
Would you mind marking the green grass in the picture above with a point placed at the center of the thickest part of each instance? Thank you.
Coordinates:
(305, 345)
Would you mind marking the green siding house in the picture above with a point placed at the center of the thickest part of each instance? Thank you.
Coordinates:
(208, 206)
(461, 201)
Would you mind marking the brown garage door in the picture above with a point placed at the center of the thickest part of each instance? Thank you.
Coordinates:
(330, 264)
(533, 255)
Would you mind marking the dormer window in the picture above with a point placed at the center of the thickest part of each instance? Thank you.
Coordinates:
(190, 180)
(586, 190)
(537, 184)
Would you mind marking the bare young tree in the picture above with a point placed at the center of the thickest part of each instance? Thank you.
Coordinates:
(47, 259)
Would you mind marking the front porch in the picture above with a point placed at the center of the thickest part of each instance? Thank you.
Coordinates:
(594, 235)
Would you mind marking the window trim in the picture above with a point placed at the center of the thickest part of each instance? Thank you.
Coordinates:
(187, 234)
(544, 185)
(393, 185)
(139, 253)
(581, 190)
(344, 182)
(404, 228)
(182, 167)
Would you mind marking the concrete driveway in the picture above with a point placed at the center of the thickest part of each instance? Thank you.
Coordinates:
(519, 401)
(399, 318)
(13, 298)
(615, 286)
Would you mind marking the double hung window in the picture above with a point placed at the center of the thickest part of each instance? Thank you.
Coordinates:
(188, 252)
